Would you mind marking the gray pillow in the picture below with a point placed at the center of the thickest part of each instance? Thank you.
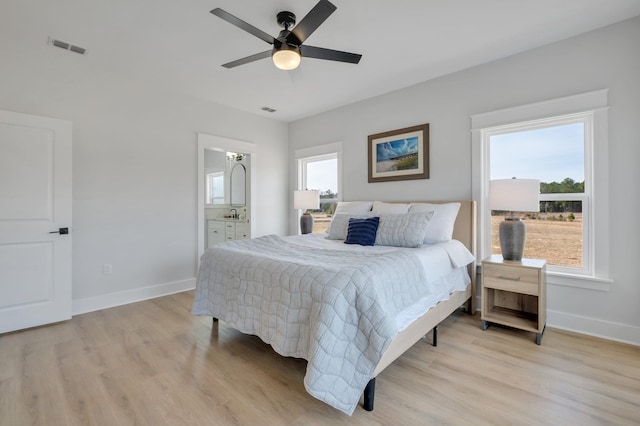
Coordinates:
(340, 224)
(403, 230)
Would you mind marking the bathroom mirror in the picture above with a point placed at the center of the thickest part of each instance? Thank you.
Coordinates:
(238, 185)
(225, 178)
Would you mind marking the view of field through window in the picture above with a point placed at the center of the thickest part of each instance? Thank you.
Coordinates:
(555, 156)
(558, 241)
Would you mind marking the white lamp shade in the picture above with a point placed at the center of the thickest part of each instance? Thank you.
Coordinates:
(303, 200)
(516, 195)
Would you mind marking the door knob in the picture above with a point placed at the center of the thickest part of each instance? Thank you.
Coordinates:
(60, 231)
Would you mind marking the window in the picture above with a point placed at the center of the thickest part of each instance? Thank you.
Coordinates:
(563, 143)
(318, 169)
(215, 188)
(552, 151)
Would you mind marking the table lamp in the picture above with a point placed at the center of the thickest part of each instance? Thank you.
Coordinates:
(304, 200)
(513, 195)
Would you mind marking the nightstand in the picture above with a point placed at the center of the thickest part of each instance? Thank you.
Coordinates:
(514, 293)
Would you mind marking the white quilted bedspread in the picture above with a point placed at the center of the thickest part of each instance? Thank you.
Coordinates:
(336, 309)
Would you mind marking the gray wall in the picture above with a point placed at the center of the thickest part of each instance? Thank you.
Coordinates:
(134, 170)
(606, 58)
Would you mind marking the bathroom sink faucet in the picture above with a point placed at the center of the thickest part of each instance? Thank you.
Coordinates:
(234, 213)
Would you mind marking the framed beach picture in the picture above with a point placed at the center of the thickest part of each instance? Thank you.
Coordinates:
(400, 154)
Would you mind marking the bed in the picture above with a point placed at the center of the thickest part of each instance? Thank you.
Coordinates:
(348, 310)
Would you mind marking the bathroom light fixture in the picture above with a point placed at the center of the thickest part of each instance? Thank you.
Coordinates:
(232, 156)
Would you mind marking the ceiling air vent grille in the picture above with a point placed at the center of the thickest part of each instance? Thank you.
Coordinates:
(77, 49)
(61, 44)
(67, 46)
(265, 108)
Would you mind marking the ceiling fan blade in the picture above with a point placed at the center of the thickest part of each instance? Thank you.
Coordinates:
(311, 22)
(242, 25)
(252, 58)
(329, 54)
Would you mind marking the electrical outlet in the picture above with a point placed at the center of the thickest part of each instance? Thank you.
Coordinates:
(107, 268)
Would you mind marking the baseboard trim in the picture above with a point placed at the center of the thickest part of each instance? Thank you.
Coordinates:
(110, 300)
(579, 324)
(594, 327)
(617, 332)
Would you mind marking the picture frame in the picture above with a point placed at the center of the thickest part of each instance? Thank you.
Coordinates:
(401, 154)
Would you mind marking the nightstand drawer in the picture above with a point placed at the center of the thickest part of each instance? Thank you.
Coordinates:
(516, 279)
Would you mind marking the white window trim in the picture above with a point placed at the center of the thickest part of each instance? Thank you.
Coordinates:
(218, 143)
(595, 102)
(302, 170)
(318, 153)
(210, 175)
(315, 153)
(585, 118)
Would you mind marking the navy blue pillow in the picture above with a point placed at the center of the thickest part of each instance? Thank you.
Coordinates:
(362, 231)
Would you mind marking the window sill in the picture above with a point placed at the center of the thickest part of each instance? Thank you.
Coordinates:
(579, 281)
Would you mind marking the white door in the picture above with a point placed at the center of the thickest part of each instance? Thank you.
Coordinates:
(35, 200)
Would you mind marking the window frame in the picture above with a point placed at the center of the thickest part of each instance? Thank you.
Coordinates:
(305, 156)
(586, 119)
(209, 188)
(302, 167)
(592, 107)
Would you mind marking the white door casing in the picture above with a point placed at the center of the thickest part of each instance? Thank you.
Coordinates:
(218, 143)
(35, 200)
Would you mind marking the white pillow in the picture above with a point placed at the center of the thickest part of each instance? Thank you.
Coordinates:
(403, 230)
(353, 207)
(340, 224)
(389, 208)
(441, 226)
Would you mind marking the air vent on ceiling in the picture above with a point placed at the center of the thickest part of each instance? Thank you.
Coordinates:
(67, 46)
(265, 108)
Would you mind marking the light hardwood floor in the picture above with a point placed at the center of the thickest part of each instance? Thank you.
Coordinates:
(153, 363)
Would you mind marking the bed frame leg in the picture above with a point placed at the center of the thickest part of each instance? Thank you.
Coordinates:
(435, 336)
(369, 393)
(469, 307)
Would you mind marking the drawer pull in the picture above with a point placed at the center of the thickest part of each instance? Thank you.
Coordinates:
(509, 277)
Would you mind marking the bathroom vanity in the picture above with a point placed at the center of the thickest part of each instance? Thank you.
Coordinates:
(221, 230)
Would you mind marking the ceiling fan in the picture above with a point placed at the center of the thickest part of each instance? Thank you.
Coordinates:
(288, 47)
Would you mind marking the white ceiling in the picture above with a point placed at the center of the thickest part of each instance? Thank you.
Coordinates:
(179, 46)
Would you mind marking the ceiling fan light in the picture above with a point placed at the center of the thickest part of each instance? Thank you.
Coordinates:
(286, 59)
